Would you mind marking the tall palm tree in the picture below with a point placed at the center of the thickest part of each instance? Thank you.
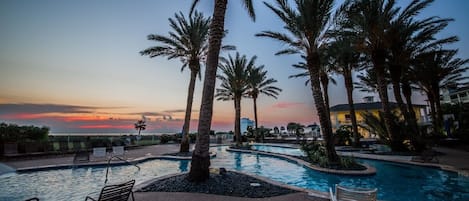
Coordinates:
(372, 20)
(259, 83)
(410, 36)
(346, 60)
(188, 43)
(325, 76)
(438, 69)
(306, 25)
(200, 162)
(234, 85)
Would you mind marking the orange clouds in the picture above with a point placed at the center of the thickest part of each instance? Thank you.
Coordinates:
(283, 105)
(106, 126)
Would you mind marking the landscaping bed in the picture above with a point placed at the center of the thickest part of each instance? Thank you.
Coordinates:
(228, 183)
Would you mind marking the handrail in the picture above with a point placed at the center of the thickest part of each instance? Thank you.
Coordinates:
(109, 165)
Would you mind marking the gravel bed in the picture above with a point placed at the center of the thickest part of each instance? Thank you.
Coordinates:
(229, 184)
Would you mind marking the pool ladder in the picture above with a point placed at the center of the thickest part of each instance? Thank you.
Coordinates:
(109, 165)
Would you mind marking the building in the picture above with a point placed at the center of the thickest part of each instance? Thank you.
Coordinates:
(455, 95)
(313, 130)
(245, 123)
(340, 114)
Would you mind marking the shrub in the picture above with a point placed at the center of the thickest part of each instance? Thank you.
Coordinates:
(101, 142)
(343, 136)
(15, 133)
(347, 162)
(165, 138)
(316, 153)
(192, 137)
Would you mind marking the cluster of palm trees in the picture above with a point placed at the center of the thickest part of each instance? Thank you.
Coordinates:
(392, 44)
(240, 78)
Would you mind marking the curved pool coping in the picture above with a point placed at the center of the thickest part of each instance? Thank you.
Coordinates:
(104, 163)
(310, 192)
(368, 171)
(378, 158)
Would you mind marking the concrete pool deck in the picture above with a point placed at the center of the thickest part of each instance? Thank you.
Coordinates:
(452, 159)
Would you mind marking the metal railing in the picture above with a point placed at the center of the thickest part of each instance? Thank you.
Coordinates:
(109, 165)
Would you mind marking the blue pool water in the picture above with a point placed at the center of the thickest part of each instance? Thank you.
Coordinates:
(394, 181)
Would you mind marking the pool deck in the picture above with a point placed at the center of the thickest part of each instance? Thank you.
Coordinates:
(452, 159)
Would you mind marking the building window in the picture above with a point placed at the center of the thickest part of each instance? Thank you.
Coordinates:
(347, 117)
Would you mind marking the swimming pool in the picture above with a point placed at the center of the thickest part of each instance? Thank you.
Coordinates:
(394, 181)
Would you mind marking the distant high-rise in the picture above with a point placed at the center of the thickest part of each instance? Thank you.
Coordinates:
(245, 123)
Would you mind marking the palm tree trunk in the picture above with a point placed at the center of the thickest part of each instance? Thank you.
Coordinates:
(378, 58)
(237, 128)
(433, 112)
(313, 68)
(439, 113)
(187, 119)
(349, 86)
(417, 138)
(255, 112)
(407, 91)
(325, 89)
(200, 158)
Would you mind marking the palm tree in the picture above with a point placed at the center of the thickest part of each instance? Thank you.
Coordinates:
(188, 43)
(438, 69)
(410, 37)
(234, 85)
(324, 74)
(306, 26)
(140, 125)
(258, 83)
(200, 162)
(346, 59)
(372, 20)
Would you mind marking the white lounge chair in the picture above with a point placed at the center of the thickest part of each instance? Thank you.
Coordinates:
(99, 152)
(118, 150)
(353, 194)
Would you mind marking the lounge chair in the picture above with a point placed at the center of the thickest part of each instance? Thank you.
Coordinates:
(117, 192)
(350, 194)
(99, 152)
(81, 156)
(118, 150)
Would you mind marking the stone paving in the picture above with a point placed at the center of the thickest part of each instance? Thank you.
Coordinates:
(132, 154)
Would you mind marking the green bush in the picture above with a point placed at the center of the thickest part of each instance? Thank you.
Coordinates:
(192, 137)
(15, 133)
(343, 136)
(165, 138)
(347, 162)
(316, 153)
(101, 142)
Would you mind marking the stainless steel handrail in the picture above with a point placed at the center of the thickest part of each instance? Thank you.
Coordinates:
(109, 165)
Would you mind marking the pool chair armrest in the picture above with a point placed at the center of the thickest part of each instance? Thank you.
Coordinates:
(333, 198)
(89, 198)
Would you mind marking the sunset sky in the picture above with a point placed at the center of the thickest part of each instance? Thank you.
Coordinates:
(75, 66)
